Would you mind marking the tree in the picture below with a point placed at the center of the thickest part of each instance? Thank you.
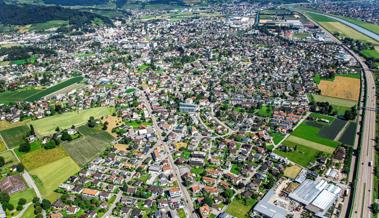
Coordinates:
(4, 198)
(21, 201)
(208, 201)
(66, 136)
(105, 125)
(35, 200)
(45, 204)
(91, 122)
(10, 207)
(19, 207)
(24, 147)
(2, 161)
(20, 167)
(375, 208)
(32, 131)
(57, 129)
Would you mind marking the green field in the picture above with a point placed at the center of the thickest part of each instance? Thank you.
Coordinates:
(265, 111)
(15, 136)
(31, 60)
(48, 125)
(48, 177)
(334, 101)
(38, 27)
(369, 26)
(17, 95)
(54, 88)
(9, 158)
(29, 212)
(303, 155)
(319, 18)
(322, 116)
(277, 137)
(89, 146)
(370, 54)
(313, 145)
(137, 124)
(239, 209)
(28, 195)
(311, 133)
(41, 157)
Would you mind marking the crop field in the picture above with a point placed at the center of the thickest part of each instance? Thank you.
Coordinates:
(15, 136)
(48, 25)
(48, 125)
(310, 130)
(54, 88)
(335, 101)
(349, 135)
(17, 95)
(341, 87)
(292, 171)
(41, 157)
(319, 18)
(9, 158)
(313, 145)
(51, 175)
(331, 131)
(370, 54)
(91, 144)
(302, 155)
(337, 27)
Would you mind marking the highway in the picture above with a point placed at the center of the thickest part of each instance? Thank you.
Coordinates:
(362, 196)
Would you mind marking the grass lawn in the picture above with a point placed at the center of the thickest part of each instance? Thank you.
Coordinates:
(265, 111)
(277, 137)
(239, 209)
(292, 171)
(370, 54)
(303, 155)
(28, 195)
(136, 124)
(181, 213)
(197, 170)
(17, 95)
(87, 147)
(49, 176)
(9, 158)
(311, 144)
(48, 25)
(369, 26)
(33, 146)
(29, 212)
(47, 126)
(2, 145)
(54, 88)
(322, 116)
(319, 18)
(317, 78)
(41, 157)
(334, 101)
(15, 136)
(235, 169)
(311, 133)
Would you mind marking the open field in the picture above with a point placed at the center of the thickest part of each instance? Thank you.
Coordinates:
(319, 18)
(292, 171)
(54, 88)
(7, 125)
(28, 195)
(15, 136)
(369, 26)
(41, 157)
(331, 131)
(240, 210)
(17, 95)
(3, 147)
(349, 135)
(374, 54)
(29, 212)
(335, 101)
(90, 145)
(277, 137)
(313, 145)
(112, 123)
(265, 111)
(9, 158)
(302, 155)
(38, 27)
(310, 130)
(48, 125)
(50, 176)
(341, 87)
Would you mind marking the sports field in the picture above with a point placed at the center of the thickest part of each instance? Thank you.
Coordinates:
(90, 145)
(15, 136)
(341, 87)
(41, 157)
(48, 125)
(54, 88)
(313, 145)
(292, 171)
(51, 175)
(302, 155)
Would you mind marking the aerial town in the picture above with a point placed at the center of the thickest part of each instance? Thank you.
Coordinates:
(244, 109)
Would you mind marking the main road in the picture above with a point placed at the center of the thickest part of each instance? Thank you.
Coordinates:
(362, 196)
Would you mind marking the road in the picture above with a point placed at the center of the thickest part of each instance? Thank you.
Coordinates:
(187, 197)
(365, 173)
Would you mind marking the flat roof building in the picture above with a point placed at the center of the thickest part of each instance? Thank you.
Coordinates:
(268, 209)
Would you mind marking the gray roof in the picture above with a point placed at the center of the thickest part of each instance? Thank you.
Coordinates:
(268, 209)
(308, 191)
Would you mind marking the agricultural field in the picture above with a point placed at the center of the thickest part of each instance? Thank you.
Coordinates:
(292, 171)
(48, 125)
(239, 209)
(89, 146)
(15, 136)
(49, 176)
(335, 101)
(341, 87)
(113, 122)
(332, 131)
(136, 124)
(54, 88)
(370, 54)
(17, 95)
(302, 155)
(310, 130)
(348, 135)
(52, 24)
(313, 145)
(9, 158)
(369, 26)
(41, 157)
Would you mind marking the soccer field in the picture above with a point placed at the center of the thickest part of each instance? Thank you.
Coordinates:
(48, 177)
(48, 125)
